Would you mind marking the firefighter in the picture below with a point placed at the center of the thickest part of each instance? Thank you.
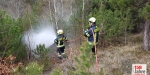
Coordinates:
(92, 33)
(59, 41)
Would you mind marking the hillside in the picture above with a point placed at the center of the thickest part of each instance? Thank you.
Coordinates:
(28, 29)
(115, 60)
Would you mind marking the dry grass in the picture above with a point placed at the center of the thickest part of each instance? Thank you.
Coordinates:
(115, 60)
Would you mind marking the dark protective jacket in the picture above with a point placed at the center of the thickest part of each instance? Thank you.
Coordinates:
(60, 40)
(89, 34)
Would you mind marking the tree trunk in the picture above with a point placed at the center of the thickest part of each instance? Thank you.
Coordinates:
(146, 36)
(62, 12)
(56, 20)
(83, 4)
(17, 8)
(82, 27)
(51, 15)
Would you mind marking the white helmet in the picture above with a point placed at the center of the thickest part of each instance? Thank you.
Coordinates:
(92, 19)
(60, 31)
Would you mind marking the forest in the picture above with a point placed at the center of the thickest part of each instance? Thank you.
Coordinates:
(28, 29)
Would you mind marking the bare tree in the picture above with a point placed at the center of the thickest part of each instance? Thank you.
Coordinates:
(18, 8)
(56, 20)
(83, 4)
(50, 11)
(62, 12)
(71, 6)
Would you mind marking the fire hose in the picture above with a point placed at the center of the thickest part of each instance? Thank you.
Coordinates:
(75, 39)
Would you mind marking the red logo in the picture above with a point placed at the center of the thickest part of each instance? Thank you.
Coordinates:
(139, 69)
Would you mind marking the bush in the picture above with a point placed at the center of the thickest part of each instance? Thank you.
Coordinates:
(32, 68)
(7, 65)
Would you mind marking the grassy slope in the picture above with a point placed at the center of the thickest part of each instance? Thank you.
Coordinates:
(118, 60)
(115, 60)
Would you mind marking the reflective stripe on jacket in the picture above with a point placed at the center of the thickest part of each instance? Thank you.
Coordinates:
(60, 40)
(89, 34)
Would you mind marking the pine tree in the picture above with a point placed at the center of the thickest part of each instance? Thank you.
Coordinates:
(84, 61)
(11, 37)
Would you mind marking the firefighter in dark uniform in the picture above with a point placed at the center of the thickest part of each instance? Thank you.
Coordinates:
(92, 33)
(59, 41)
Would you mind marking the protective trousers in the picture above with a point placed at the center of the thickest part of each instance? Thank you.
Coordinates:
(93, 49)
(60, 50)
